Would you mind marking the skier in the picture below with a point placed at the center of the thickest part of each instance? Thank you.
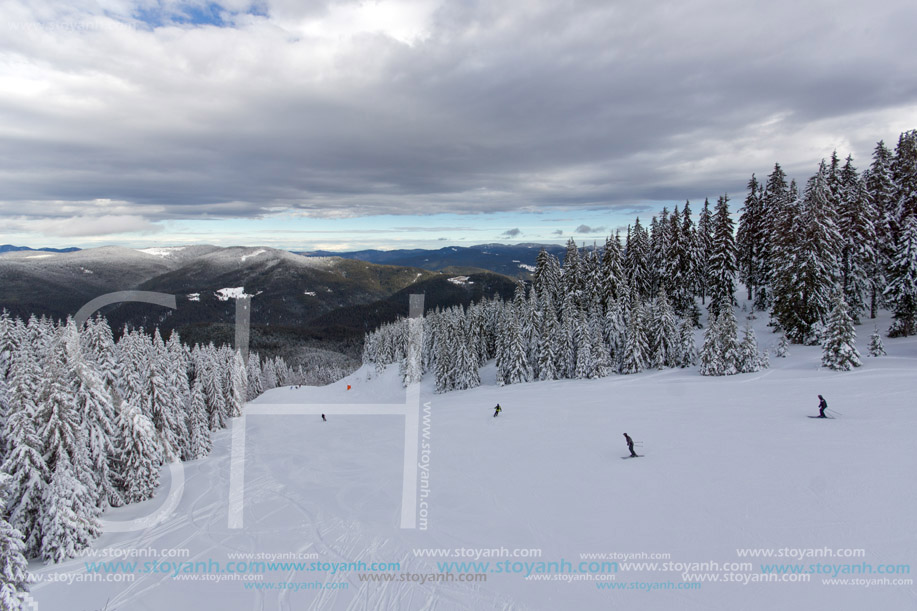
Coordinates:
(822, 406)
(497, 410)
(324, 419)
(630, 445)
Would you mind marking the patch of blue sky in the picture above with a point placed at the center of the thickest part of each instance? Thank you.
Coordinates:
(199, 14)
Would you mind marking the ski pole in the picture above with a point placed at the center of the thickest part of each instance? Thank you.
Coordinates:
(834, 411)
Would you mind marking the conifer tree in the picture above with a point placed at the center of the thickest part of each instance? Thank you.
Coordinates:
(634, 355)
(839, 349)
(238, 386)
(25, 462)
(14, 569)
(198, 423)
(703, 250)
(548, 341)
(722, 262)
(687, 347)
(808, 271)
(876, 347)
(748, 358)
(751, 240)
(637, 260)
(69, 519)
(901, 291)
(711, 353)
(783, 347)
(138, 454)
(856, 226)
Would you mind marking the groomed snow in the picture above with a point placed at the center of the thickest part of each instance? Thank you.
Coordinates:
(260, 251)
(730, 462)
(165, 251)
(231, 293)
(460, 280)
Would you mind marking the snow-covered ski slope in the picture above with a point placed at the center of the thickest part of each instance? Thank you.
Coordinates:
(729, 463)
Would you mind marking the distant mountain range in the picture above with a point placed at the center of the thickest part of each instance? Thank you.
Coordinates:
(325, 301)
(515, 261)
(10, 248)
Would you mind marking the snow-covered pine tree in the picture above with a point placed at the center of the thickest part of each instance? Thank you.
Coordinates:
(703, 249)
(839, 350)
(161, 400)
(94, 404)
(178, 373)
(711, 353)
(729, 340)
(783, 347)
(905, 175)
(411, 368)
(613, 280)
(856, 226)
(775, 201)
(268, 375)
(806, 272)
(8, 343)
(633, 357)
(199, 423)
(615, 328)
(133, 353)
(466, 362)
(600, 354)
(678, 278)
(548, 341)
(901, 291)
(585, 363)
(238, 386)
(687, 347)
(546, 277)
(880, 185)
(722, 262)
(663, 333)
(637, 260)
(253, 369)
(70, 505)
(876, 347)
(515, 365)
(14, 568)
(749, 360)
(98, 346)
(69, 518)
(138, 454)
(24, 462)
(566, 354)
(660, 246)
(751, 240)
(571, 274)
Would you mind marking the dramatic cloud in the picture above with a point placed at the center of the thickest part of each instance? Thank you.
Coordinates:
(240, 109)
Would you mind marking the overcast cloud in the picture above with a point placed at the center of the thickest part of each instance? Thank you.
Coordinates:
(151, 111)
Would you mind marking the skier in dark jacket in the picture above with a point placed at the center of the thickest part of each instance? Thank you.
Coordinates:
(497, 410)
(630, 445)
(822, 406)
(324, 419)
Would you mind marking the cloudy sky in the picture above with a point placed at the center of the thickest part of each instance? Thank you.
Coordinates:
(345, 124)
